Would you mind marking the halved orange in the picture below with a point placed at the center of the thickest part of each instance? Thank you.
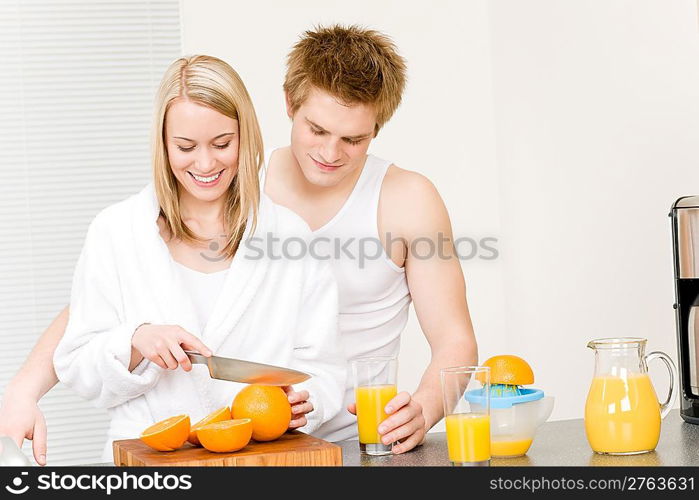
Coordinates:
(225, 436)
(217, 416)
(168, 434)
(508, 369)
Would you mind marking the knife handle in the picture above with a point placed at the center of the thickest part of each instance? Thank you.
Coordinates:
(196, 358)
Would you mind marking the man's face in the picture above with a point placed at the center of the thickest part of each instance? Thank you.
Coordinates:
(329, 139)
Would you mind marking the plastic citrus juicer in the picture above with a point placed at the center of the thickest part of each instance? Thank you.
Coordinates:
(515, 412)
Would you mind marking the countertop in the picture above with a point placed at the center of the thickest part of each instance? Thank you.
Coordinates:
(562, 442)
(559, 443)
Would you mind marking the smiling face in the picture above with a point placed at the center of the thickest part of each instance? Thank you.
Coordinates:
(202, 147)
(329, 139)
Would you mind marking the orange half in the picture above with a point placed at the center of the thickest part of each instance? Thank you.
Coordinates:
(216, 416)
(225, 436)
(508, 369)
(168, 434)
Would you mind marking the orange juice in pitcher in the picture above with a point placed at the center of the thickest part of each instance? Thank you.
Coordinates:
(622, 412)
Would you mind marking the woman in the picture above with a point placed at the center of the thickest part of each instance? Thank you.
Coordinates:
(149, 282)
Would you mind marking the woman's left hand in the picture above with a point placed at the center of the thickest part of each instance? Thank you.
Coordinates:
(405, 424)
(300, 406)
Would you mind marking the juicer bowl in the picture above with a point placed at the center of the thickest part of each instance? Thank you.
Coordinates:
(512, 429)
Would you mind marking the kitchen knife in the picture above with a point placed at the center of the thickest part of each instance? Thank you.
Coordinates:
(247, 372)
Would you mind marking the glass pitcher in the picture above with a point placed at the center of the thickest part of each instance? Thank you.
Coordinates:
(622, 412)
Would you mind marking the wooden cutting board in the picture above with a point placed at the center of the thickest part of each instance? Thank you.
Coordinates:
(293, 448)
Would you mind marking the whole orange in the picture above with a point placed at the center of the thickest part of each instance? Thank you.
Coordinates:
(267, 406)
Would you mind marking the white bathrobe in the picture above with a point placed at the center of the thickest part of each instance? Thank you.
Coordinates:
(277, 311)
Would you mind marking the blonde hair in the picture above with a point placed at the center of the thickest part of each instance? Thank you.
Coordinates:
(210, 82)
(353, 64)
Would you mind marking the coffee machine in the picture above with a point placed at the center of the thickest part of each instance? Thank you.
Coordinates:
(685, 244)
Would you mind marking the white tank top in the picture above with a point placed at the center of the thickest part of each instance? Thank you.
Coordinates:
(373, 292)
(204, 289)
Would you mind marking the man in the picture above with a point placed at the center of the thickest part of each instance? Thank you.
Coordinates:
(342, 85)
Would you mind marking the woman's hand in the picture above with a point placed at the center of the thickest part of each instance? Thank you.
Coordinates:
(405, 424)
(164, 345)
(20, 419)
(300, 406)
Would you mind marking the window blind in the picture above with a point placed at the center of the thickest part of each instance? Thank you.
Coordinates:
(77, 81)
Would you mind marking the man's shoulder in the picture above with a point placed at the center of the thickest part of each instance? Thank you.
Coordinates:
(401, 184)
(409, 202)
(275, 171)
(280, 154)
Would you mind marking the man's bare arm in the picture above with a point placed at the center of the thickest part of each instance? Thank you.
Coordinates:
(20, 417)
(413, 210)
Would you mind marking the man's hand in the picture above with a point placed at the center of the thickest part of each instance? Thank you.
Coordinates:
(405, 424)
(20, 419)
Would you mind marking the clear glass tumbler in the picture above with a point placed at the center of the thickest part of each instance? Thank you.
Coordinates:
(466, 397)
(374, 386)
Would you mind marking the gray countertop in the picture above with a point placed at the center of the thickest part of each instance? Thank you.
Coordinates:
(556, 443)
(562, 442)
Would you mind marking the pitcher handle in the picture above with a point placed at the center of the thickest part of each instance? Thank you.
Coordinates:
(667, 405)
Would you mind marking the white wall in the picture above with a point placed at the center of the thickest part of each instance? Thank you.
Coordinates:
(597, 119)
(563, 128)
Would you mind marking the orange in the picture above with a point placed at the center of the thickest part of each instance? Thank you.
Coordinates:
(217, 416)
(508, 369)
(168, 434)
(225, 436)
(267, 406)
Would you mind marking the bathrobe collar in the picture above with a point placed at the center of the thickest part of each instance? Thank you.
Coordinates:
(242, 281)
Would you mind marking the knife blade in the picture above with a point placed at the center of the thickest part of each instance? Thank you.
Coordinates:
(247, 372)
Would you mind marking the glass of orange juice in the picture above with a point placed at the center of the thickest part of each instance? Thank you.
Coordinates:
(374, 386)
(468, 424)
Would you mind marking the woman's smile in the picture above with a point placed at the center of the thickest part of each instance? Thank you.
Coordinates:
(203, 181)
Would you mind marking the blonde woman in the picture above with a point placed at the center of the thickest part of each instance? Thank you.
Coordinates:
(168, 270)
